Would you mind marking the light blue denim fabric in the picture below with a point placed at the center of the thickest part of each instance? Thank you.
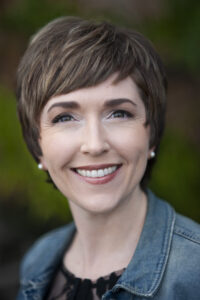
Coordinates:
(165, 266)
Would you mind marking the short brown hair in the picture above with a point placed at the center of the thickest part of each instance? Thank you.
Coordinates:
(71, 53)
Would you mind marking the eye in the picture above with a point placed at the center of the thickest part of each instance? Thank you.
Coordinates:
(121, 114)
(63, 118)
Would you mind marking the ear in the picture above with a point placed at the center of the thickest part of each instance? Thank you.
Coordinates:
(42, 164)
(152, 152)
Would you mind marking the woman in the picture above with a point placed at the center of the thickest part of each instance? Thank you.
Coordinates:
(91, 101)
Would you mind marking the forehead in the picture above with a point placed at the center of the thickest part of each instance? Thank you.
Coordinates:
(109, 89)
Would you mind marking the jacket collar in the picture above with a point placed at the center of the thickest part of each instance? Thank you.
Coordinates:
(145, 271)
(143, 274)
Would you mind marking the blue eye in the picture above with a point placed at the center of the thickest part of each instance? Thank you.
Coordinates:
(62, 118)
(121, 114)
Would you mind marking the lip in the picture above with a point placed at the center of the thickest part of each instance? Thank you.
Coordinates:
(98, 180)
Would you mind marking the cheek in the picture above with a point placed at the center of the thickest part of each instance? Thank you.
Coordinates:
(57, 149)
(133, 142)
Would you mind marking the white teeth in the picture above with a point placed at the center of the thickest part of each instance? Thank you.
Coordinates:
(84, 173)
(87, 173)
(100, 173)
(96, 173)
(106, 171)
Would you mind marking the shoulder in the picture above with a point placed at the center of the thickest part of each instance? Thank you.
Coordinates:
(46, 251)
(183, 268)
(184, 228)
(186, 244)
(187, 229)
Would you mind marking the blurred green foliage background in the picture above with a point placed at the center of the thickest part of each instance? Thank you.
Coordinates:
(174, 28)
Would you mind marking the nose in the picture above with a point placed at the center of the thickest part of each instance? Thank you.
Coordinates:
(94, 141)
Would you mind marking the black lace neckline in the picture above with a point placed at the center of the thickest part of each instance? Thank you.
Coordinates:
(67, 286)
(85, 285)
(106, 278)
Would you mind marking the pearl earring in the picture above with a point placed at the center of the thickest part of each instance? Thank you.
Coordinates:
(152, 154)
(40, 166)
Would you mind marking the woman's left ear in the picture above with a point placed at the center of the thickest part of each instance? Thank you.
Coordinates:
(42, 165)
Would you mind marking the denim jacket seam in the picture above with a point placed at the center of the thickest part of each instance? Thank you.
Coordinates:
(41, 279)
(31, 284)
(128, 288)
(180, 232)
(164, 262)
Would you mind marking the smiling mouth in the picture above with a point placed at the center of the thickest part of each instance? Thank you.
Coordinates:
(94, 172)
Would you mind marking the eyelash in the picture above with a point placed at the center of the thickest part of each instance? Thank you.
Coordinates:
(63, 118)
(123, 114)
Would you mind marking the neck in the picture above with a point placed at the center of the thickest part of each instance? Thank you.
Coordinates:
(106, 242)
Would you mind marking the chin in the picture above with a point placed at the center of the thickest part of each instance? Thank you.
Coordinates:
(97, 205)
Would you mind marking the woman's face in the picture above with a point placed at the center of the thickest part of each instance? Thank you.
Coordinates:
(95, 144)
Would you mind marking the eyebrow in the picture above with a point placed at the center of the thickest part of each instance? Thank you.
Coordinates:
(75, 105)
(118, 101)
(68, 104)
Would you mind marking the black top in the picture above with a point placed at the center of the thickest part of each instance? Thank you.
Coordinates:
(66, 286)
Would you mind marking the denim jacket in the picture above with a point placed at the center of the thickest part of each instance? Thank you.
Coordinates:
(165, 265)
